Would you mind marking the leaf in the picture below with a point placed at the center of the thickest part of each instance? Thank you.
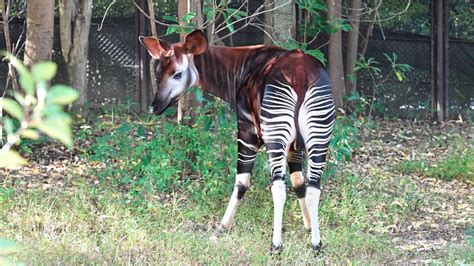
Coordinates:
(44, 70)
(8, 124)
(7, 246)
(199, 96)
(171, 18)
(61, 94)
(236, 13)
(27, 81)
(189, 16)
(228, 23)
(399, 75)
(10, 159)
(316, 53)
(57, 127)
(13, 108)
(30, 133)
(171, 30)
(52, 109)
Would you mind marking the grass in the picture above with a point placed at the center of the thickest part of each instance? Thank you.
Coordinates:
(88, 224)
(459, 164)
(131, 205)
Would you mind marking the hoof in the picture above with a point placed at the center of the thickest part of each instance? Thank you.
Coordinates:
(220, 229)
(317, 248)
(275, 250)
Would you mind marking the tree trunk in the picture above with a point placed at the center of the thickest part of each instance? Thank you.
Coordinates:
(336, 67)
(39, 31)
(6, 31)
(268, 16)
(352, 46)
(75, 44)
(182, 10)
(151, 12)
(284, 21)
(187, 104)
(65, 22)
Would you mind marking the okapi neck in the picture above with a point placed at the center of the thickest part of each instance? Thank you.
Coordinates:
(220, 72)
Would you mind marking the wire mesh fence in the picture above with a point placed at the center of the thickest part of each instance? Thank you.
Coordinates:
(412, 96)
(113, 68)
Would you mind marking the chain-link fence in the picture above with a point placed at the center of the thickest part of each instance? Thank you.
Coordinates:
(412, 96)
(113, 70)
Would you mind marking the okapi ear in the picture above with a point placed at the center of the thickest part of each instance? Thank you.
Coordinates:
(155, 47)
(195, 42)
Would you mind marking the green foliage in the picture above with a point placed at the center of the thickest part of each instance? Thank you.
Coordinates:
(36, 109)
(399, 69)
(199, 157)
(343, 143)
(416, 18)
(291, 44)
(315, 21)
(185, 25)
(364, 105)
(230, 15)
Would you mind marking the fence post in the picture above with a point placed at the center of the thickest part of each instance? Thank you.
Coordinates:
(439, 59)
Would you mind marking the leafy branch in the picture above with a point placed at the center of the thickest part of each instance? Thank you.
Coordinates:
(37, 109)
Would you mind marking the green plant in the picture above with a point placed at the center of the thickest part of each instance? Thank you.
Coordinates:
(365, 105)
(213, 10)
(312, 25)
(37, 109)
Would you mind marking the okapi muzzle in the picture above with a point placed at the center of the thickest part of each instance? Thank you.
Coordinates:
(175, 72)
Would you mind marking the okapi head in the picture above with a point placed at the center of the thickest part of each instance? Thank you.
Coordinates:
(176, 72)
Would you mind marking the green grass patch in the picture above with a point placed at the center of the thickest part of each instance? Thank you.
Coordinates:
(89, 224)
(459, 164)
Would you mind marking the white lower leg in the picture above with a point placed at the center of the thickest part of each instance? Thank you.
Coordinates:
(297, 180)
(279, 197)
(228, 219)
(312, 202)
(304, 210)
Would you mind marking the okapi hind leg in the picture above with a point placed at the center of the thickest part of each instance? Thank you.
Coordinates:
(278, 132)
(295, 165)
(316, 122)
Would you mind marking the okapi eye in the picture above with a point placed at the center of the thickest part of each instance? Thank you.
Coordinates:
(178, 75)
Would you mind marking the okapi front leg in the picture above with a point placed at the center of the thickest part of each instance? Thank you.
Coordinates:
(295, 164)
(247, 147)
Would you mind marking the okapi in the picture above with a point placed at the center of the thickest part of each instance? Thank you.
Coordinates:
(282, 99)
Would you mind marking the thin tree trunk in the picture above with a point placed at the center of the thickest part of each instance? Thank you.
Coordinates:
(268, 16)
(152, 60)
(6, 31)
(336, 67)
(284, 21)
(79, 53)
(373, 18)
(65, 22)
(40, 31)
(352, 45)
(187, 104)
(183, 9)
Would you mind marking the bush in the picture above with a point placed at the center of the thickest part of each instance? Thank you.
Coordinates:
(199, 157)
